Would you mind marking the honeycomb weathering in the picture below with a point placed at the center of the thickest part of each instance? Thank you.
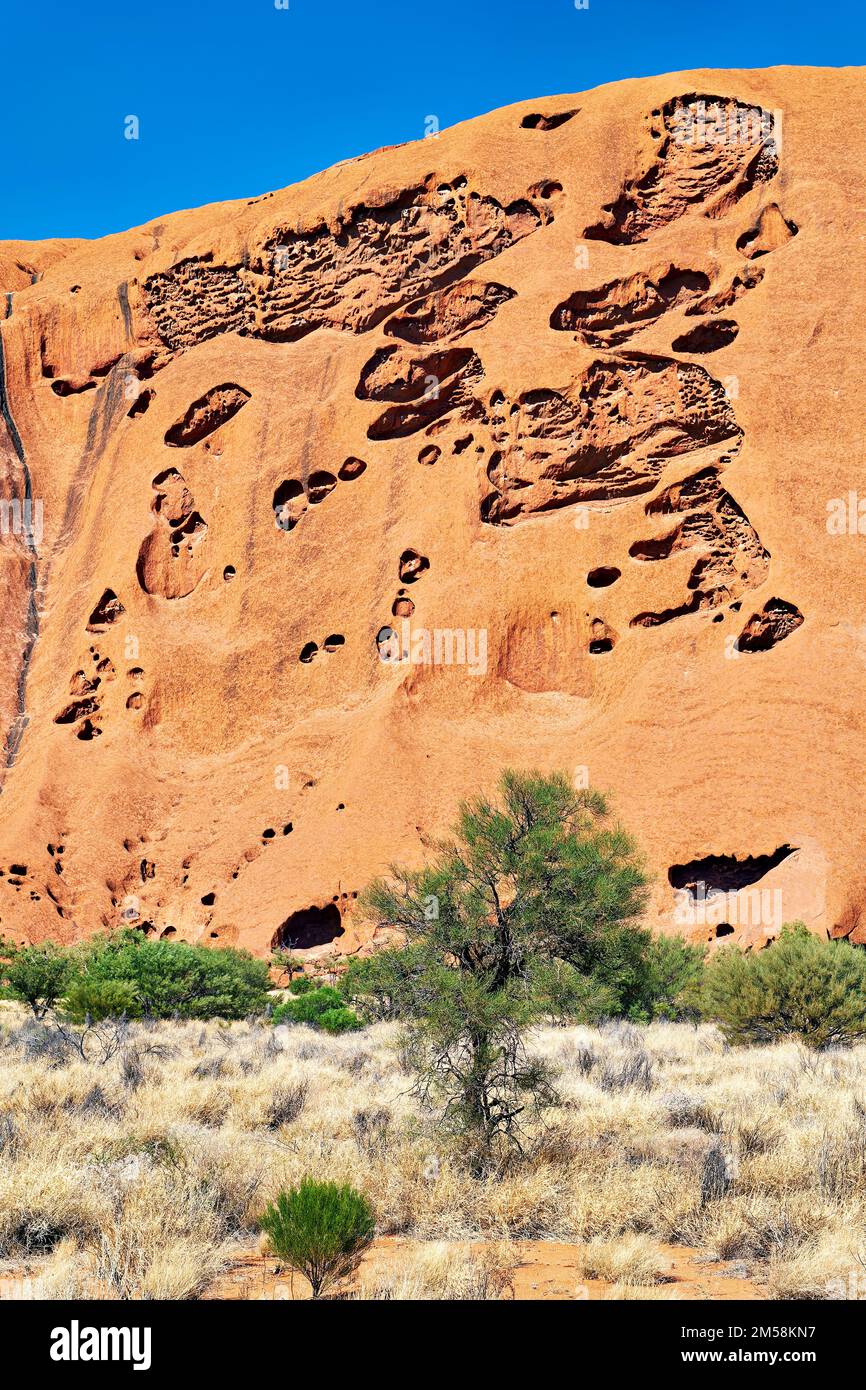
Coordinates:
(609, 436)
(711, 151)
(538, 120)
(260, 460)
(423, 387)
(310, 926)
(731, 556)
(348, 276)
(707, 337)
(450, 312)
(773, 624)
(726, 873)
(612, 313)
(769, 233)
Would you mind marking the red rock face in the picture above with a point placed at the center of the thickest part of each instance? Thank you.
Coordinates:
(516, 446)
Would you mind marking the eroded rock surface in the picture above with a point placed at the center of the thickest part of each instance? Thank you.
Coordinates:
(513, 447)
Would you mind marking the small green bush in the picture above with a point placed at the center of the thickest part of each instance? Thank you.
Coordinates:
(320, 1229)
(302, 985)
(162, 979)
(673, 973)
(565, 996)
(631, 975)
(38, 975)
(801, 987)
(287, 964)
(649, 977)
(322, 1008)
(338, 1021)
(307, 1007)
(100, 999)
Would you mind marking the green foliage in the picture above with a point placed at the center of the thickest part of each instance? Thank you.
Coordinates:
(287, 964)
(159, 979)
(472, 1064)
(101, 999)
(307, 1007)
(386, 985)
(320, 1229)
(341, 1020)
(800, 987)
(38, 975)
(649, 977)
(322, 1008)
(564, 996)
(542, 876)
(673, 975)
(302, 985)
(618, 963)
(176, 978)
(633, 976)
(545, 874)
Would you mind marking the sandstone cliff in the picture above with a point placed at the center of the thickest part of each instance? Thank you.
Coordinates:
(555, 405)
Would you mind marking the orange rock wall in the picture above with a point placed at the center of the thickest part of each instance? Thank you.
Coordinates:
(553, 405)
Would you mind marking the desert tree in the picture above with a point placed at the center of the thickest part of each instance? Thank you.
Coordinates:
(539, 875)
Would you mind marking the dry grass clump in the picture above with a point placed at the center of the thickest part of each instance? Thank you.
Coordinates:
(832, 1265)
(441, 1271)
(622, 1293)
(138, 1177)
(630, 1259)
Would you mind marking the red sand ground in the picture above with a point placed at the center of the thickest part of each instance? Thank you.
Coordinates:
(549, 1270)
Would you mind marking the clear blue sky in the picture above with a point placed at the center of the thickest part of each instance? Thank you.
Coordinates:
(237, 98)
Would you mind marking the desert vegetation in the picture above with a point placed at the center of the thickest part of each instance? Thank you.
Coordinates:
(531, 1066)
(148, 1175)
(530, 910)
(126, 974)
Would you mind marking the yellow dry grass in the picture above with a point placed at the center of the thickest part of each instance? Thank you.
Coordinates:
(136, 1178)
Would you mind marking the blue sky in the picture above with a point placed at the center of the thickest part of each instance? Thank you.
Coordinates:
(237, 98)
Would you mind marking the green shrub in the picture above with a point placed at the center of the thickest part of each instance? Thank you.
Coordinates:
(322, 1008)
(540, 874)
(307, 1007)
(176, 978)
(649, 977)
(630, 975)
(38, 975)
(801, 987)
(302, 985)
(320, 1229)
(668, 981)
(338, 1021)
(101, 999)
(286, 963)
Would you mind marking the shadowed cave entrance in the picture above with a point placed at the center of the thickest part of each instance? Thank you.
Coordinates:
(724, 873)
(309, 926)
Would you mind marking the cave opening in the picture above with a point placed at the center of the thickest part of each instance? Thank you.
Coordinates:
(309, 926)
(725, 873)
